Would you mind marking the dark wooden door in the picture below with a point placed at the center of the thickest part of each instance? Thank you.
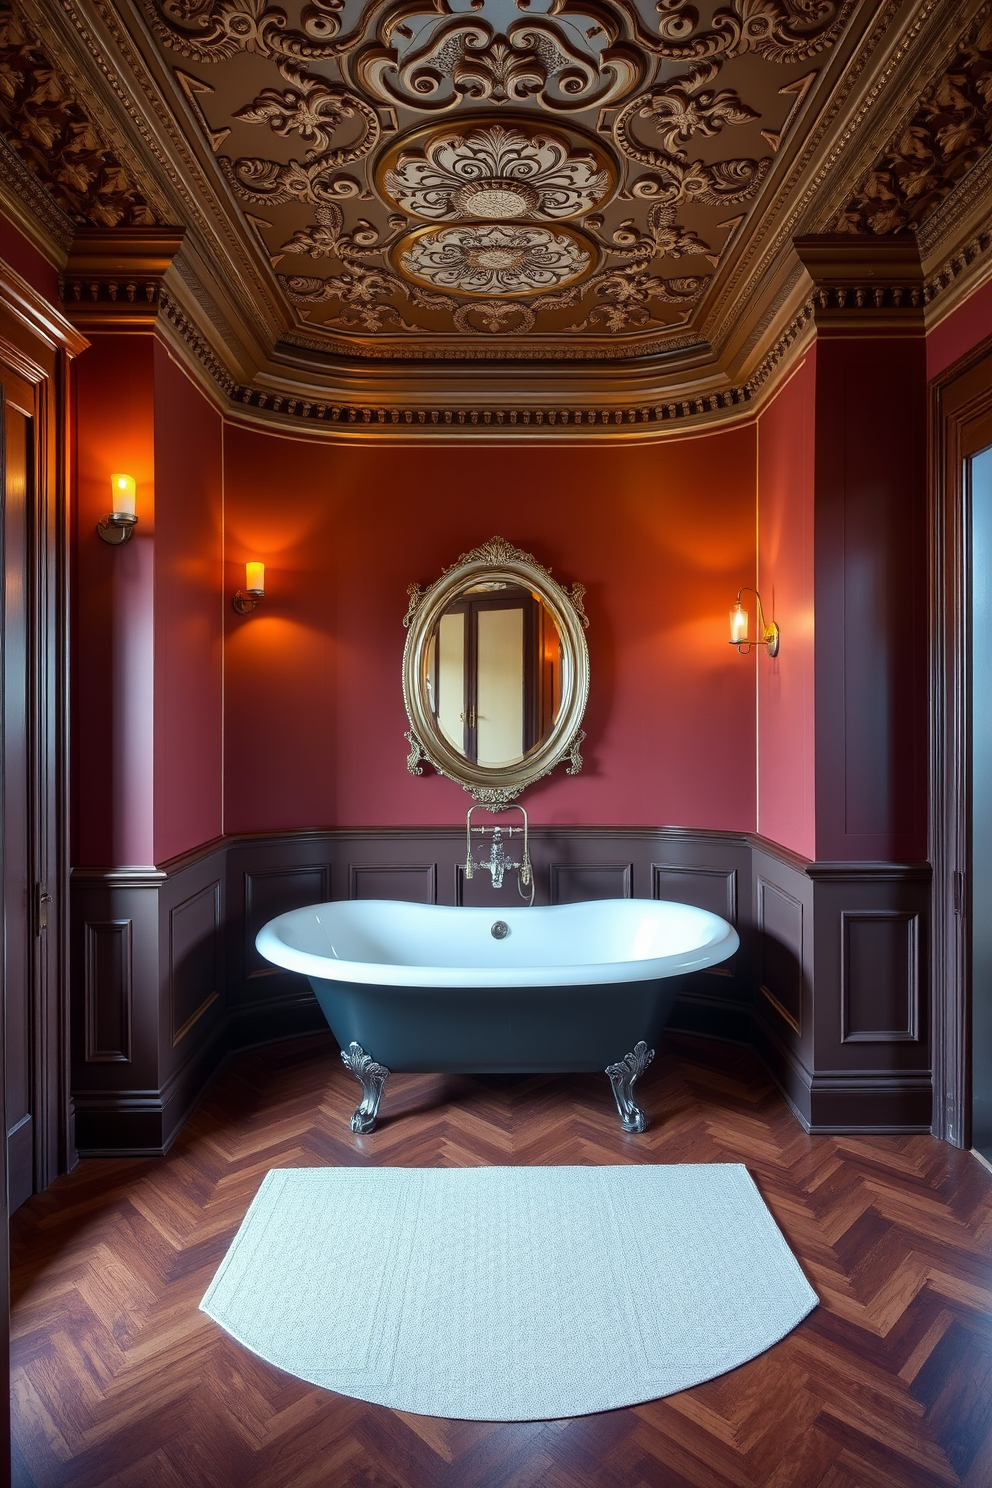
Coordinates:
(18, 879)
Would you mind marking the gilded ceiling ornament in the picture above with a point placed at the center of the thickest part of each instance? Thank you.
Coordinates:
(266, 182)
(328, 237)
(627, 295)
(496, 317)
(493, 258)
(213, 30)
(677, 111)
(664, 238)
(432, 54)
(314, 109)
(682, 108)
(496, 172)
(783, 31)
(720, 184)
(948, 133)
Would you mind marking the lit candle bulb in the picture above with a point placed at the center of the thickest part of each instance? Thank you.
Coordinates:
(123, 498)
(738, 624)
(255, 578)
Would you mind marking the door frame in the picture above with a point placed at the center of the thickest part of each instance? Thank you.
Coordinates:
(961, 426)
(37, 346)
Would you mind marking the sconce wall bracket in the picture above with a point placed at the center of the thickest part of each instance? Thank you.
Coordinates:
(770, 634)
(244, 602)
(116, 527)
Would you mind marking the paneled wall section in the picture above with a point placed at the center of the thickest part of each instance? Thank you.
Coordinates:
(168, 980)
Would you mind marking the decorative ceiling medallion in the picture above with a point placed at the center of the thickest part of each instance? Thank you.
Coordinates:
(508, 172)
(495, 258)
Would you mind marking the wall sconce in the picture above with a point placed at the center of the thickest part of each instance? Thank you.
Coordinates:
(247, 598)
(739, 637)
(116, 527)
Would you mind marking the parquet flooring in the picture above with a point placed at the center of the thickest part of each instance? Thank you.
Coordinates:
(119, 1379)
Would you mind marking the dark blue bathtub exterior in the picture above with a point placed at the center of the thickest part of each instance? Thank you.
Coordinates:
(497, 1030)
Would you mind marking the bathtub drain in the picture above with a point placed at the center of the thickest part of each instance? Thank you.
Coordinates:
(500, 930)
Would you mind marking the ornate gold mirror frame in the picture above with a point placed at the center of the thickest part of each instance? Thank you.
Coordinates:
(496, 562)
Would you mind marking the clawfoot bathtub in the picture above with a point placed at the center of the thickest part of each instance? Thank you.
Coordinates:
(413, 987)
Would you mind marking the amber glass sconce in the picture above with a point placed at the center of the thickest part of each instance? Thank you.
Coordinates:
(247, 598)
(739, 627)
(116, 527)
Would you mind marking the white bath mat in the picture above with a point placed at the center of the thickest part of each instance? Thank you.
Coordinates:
(508, 1294)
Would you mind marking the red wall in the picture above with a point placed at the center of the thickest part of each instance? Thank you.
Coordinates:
(113, 609)
(147, 624)
(964, 328)
(661, 535)
(786, 714)
(29, 263)
(189, 627)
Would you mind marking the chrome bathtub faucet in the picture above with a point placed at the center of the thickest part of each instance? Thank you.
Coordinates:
(499, 862)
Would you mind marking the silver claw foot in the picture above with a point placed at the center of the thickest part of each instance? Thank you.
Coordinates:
(622, 1077)
(373, 1076)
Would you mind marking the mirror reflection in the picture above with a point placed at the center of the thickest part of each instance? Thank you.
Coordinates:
(494, 673)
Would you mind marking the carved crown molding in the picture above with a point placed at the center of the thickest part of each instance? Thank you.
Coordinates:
(30, 206)
(114, 280)
(857, 282)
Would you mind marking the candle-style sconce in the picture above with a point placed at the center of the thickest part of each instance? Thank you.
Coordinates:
(116, 527)
(247, 598)
(739, 636)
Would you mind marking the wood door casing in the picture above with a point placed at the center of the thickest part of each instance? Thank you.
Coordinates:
(19, 960)
(961, 426)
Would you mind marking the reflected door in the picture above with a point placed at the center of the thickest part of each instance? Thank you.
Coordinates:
(494, 677)
(979, 483)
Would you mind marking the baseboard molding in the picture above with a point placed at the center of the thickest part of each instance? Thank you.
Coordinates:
(830, 984)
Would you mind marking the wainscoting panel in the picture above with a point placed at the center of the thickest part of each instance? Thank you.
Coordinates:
(880, 976)
(269, 892)
(714, 889)
(574, 883)
(780, 927)
(115, 981)
(195, 959)
(107, 991)
(415, 883)
(829, 983)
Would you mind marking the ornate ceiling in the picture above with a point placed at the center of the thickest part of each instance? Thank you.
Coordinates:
(386, 196)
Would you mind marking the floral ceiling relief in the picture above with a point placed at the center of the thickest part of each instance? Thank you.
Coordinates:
(52, 131)
(490, 258)
(492, 171)
(422, 157)
(947, 134)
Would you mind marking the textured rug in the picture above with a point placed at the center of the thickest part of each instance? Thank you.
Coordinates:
(508, 1294)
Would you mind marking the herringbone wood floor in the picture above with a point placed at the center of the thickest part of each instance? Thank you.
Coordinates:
(119, 1379)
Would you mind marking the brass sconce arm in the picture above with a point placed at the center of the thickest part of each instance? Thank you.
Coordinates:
(769, 636)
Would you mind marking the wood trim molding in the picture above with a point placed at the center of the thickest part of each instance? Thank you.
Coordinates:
(961, 422)
(39, 319)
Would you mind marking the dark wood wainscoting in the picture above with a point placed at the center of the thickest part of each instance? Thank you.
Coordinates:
(830, 983)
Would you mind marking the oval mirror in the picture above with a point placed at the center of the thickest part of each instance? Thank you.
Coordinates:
(495, 673)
